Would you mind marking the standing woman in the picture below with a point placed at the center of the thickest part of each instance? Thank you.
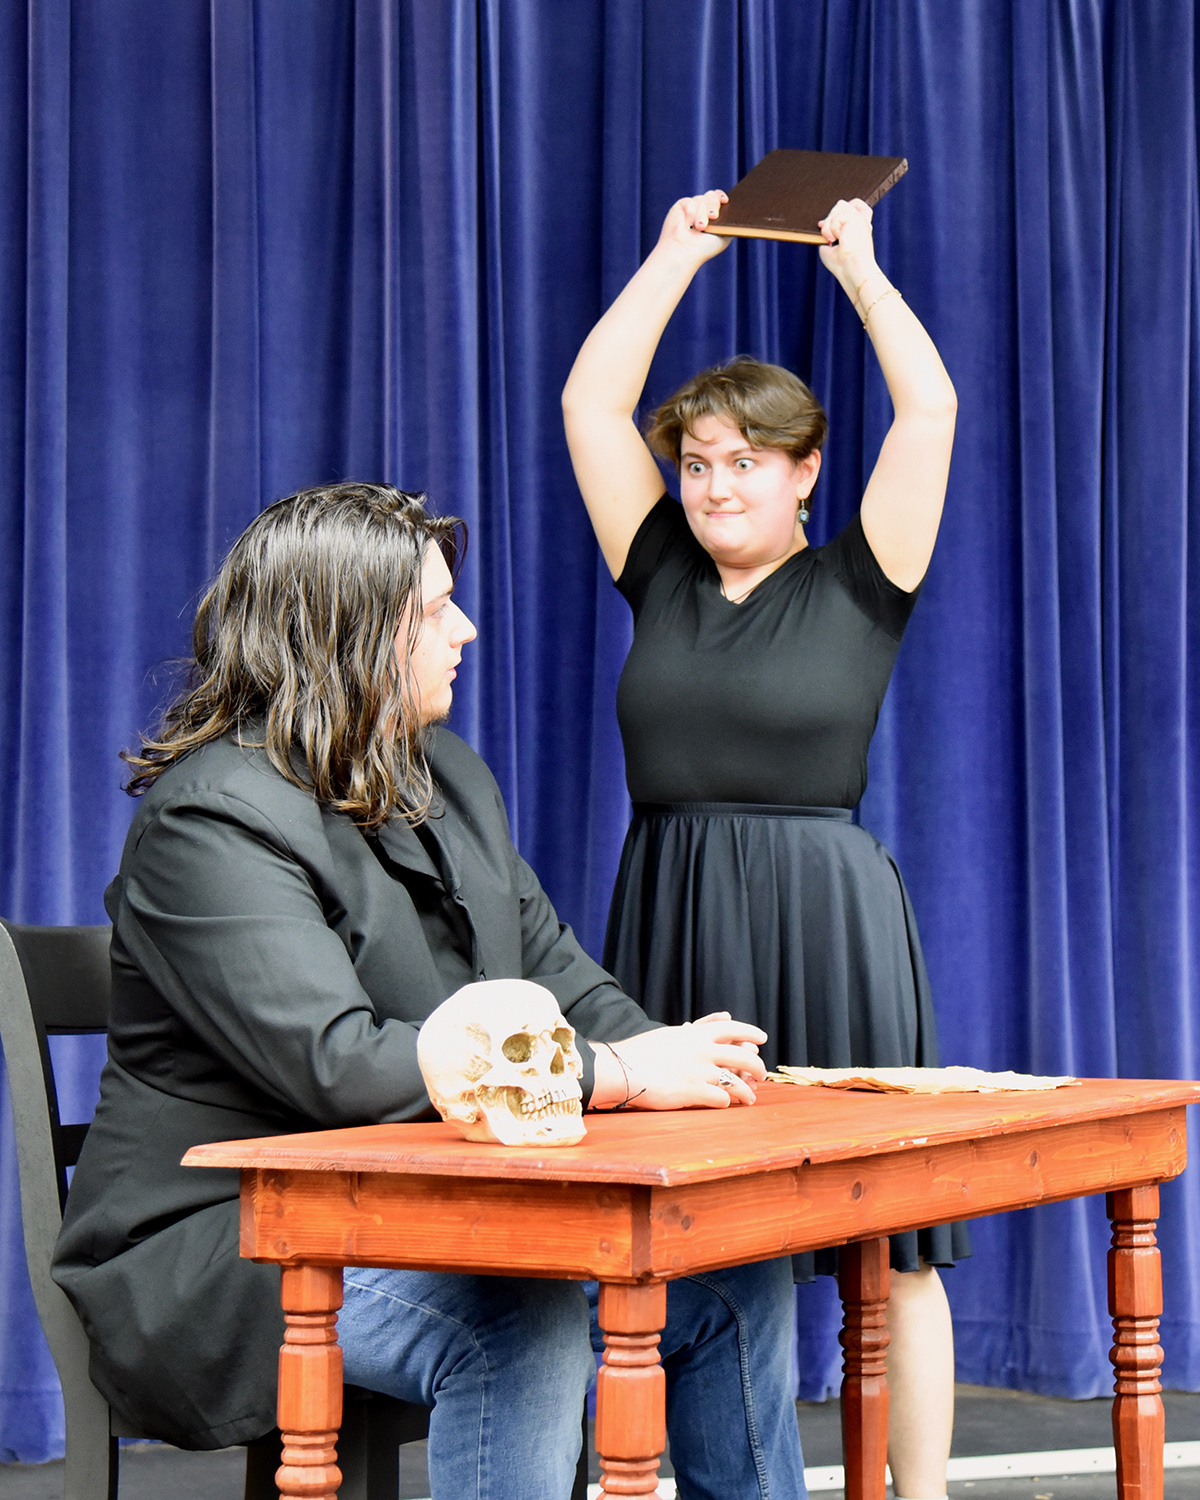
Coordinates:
(747, 706)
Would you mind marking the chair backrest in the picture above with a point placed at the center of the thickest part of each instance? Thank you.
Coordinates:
(66, 981)
(54, 980)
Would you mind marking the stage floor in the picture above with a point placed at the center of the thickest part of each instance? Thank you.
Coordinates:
(988, 1421)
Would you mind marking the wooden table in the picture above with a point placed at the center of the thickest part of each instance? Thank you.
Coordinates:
(648, 1197)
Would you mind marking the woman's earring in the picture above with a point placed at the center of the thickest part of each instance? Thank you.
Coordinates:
(803, 514)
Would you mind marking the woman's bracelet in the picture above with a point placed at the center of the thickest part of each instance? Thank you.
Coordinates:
(630, 1096)
(892, 291)
(863, 282)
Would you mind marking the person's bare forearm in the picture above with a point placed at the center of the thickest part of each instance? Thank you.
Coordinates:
(902, 504)
(916, 377)
(612, 366)
(610, 370)
(617, 475)
(610, 1086)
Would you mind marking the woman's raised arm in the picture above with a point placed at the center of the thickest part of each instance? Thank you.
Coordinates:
(902, 506)
(617, 475)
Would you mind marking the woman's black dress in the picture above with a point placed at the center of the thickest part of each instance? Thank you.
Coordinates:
(744, 885)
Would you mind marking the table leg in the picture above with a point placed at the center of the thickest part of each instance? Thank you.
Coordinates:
(631, 1389)
(1135, 1301)
(864, 1280)
(310, 1382)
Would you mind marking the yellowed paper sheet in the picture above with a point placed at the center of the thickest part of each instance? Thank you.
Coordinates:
(919, 1080)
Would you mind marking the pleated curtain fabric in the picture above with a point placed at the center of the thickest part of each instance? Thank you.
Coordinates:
(249, 247)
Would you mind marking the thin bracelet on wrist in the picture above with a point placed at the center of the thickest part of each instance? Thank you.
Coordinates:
(630, 1096)
(892, 291)
(856, 295)
(858, 289)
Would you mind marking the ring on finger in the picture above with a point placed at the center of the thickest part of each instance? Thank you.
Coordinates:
(726, 1079)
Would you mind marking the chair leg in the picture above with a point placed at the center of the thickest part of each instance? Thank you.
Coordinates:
(91, 1471)
(388, 1425)
(373, 1428)
(354, 1458)
(580, 1487)
(262, 1460)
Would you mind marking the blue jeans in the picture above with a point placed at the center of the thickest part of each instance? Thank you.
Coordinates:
(505, 1364)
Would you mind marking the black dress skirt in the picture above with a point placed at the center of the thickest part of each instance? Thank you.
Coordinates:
(745, 885)
(795, 919)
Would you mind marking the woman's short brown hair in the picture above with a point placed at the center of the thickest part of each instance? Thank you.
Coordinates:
(771, 407)
(294, 650)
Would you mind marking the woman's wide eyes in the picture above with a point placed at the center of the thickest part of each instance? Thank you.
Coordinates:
(695, 467)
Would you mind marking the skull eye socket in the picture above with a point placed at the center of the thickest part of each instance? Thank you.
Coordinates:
(562, 1040)
(518, 1047)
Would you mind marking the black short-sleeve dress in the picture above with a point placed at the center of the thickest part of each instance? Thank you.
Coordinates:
(744, 885)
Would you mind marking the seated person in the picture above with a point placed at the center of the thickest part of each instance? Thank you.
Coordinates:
(313, 868)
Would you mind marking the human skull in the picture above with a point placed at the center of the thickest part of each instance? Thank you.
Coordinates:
(500, 1064)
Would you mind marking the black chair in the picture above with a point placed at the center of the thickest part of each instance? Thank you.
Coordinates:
(55, 981)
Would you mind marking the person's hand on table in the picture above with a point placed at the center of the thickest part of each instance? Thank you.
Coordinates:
(712, 1062)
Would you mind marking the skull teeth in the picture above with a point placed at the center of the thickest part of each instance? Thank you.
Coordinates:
(550, 1102)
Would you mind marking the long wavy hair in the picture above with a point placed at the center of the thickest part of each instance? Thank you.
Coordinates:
(295, 650)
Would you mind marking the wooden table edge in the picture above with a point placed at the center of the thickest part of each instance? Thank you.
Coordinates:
(631, 1233)
(293, 1152)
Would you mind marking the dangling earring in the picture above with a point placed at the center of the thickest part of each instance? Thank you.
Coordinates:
(803, 514)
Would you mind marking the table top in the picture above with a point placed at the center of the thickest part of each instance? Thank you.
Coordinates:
(789, 1126)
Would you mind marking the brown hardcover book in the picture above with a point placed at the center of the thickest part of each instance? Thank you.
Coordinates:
(785, 195)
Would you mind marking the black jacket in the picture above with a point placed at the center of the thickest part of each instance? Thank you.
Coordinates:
(271, 966)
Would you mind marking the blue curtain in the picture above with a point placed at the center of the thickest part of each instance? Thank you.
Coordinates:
(257, 244)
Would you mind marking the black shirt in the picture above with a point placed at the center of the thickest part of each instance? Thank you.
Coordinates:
(773, 700)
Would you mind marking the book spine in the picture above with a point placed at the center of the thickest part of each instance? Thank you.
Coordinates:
(889, 181)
